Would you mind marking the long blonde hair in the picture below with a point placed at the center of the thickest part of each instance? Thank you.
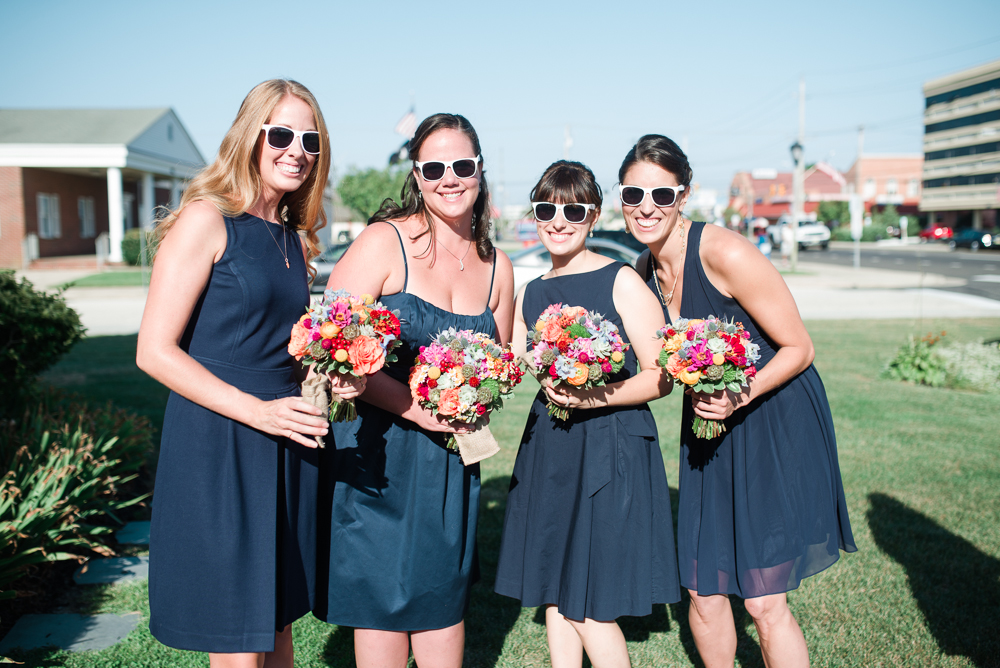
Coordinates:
(233, 182)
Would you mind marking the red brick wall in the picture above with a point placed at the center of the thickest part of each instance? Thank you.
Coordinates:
(69, 187)
(11, 217)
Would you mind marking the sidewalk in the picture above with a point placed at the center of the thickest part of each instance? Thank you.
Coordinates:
(822, 292)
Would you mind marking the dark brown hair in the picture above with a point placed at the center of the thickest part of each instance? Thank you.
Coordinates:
(662, 152)
(566, 182)
(409, 197)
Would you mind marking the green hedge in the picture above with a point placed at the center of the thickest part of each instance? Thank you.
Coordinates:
(36, 329)
(130, 247)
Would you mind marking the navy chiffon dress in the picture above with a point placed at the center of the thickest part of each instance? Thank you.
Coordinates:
(588, 525)
(232, 540)
(400, 510)
(762, 506)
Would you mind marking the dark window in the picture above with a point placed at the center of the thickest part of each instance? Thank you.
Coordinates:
(975, 119)
(978, 179)
(992, 147)
(968, 91)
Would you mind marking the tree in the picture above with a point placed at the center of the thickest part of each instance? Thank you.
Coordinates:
(364, 191)
(829, 211)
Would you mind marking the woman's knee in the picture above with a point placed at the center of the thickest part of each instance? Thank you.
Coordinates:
(709, 606)
(764, 609)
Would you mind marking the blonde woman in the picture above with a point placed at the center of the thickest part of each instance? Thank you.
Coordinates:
(232, 537)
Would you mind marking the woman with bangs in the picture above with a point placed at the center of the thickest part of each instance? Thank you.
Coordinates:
(588, 532)
(761, 506)
(232, 537)
(403, 510)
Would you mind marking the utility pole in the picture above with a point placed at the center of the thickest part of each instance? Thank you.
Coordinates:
(798, 182)
(858, 207)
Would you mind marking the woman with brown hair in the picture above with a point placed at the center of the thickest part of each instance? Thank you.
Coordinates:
(231, 541)
(403, 509)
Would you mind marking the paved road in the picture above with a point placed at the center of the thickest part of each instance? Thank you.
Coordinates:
(980, 271)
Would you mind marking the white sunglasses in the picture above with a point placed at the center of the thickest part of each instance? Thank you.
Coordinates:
(662, 195)
(572, 212)
(434, 170)
(280, 138)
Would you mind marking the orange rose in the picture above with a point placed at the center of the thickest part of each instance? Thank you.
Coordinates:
(575, 311)
(414, 381)
(580, 375)
(675, 365)
(366, 355)
(673, 344)
(448, 404)
(689, 377)
(551, 331)
(329, 330)
(299, 343)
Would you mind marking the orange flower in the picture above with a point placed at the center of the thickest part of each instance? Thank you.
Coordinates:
(675, 365)
(299, 343)
(448, 404)
(575, 311)
(579, 377)
(552, 330)
(689, 377)
(329, 330)
(366, 355)
(718, 359)
(673, 344)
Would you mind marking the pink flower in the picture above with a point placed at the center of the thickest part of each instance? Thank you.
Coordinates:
(480, 409)
(307, 323)
(316, 336)
(553, 372)
(340, 313)
(606, 367)
(327, 344)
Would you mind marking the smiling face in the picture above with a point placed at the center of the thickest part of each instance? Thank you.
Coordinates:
(564, 239)
(451, 199)
(284, 171)
(647, 222)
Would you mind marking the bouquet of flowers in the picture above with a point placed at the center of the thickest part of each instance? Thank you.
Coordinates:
(576, 347)
(463, 375)
(346, 335)
(708, 355)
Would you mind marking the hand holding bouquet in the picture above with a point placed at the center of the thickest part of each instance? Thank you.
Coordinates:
(345, 335)
(573, 346)
(461, 376)
(708, 356)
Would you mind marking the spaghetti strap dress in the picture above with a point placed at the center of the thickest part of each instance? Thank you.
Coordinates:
(762, 506)
(400, 510)
(232, 539)
(588, 525)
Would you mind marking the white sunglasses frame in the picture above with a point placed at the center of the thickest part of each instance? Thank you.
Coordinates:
(560, 211)
(648, 192)
(266, 128)
(448, 164)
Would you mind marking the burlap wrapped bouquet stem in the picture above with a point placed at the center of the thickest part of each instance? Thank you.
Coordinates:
(316, 392)
(476, 445)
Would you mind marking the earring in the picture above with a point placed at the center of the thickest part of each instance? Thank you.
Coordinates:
(592, 231)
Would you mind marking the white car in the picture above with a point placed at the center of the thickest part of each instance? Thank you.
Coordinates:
(810, 234)
(532, 262)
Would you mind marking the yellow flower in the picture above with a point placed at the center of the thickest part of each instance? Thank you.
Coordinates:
(673, 344)
(617, 356)
(434, 373)
(340, 355)
(367, 299)
(718, 359)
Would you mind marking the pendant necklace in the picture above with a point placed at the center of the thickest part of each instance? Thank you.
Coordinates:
(284, 236)
(461, 260)
(670, 295)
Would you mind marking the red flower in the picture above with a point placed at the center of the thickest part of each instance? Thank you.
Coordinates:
(316, 336)
(480, 409)
(690, 335)
(553, 372)
(473, 382)
(431, 383)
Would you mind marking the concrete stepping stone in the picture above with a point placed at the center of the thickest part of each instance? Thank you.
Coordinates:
(133, 533)
(73, 633)
(112, 570)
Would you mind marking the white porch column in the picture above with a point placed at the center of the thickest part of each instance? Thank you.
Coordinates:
(148, 202)
(175, 193)
(116, 214)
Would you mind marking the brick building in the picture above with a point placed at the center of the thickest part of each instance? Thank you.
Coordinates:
(767, 193)
(888, 179)
(69, 175)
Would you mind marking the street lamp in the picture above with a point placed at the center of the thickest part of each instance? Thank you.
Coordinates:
(797, 201)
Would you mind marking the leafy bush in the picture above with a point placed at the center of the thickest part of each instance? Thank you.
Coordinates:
(918, 361)
(68, 474)
(871, 232)
(131, 251)
(36, 329)
(974, 365)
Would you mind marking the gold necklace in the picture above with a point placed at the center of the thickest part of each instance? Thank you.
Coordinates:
(284, 236)
(461, 260)
(670, 295)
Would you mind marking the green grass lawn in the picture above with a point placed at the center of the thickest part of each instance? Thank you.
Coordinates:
(112, 279)
(921, 469)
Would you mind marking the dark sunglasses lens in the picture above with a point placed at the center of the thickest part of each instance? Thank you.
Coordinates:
(575, 213)
(545, 212)
(280, 138)
(310, 142)
(663, 196)
(464, 168)
(433, 171)
(632, 196)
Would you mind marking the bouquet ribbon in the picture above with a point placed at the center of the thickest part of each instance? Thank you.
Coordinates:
(316, 392)
(476, 445)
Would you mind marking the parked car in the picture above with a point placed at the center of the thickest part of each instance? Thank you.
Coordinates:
(532, 262)
(622, 237)
(324, 263)
(810, 234)
(936, 233)
(967, 237)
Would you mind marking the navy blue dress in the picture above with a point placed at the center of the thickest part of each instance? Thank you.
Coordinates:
(232, 540)
(762, 506)
(588, 525)
(403, 511)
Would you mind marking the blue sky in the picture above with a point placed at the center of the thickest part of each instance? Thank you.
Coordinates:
(721, 78)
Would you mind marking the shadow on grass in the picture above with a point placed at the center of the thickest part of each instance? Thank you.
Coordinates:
(953, 582)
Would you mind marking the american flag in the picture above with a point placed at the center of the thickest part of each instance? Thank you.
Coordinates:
(407, 125)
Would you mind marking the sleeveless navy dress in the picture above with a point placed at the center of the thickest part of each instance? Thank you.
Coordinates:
(588, 525)
(400, 523)
(232, 540)
(762, 506)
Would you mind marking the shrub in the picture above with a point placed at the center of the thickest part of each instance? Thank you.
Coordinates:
(36, 329)
(974, 365)
(871, 232)
(918, 361)
(131, 251)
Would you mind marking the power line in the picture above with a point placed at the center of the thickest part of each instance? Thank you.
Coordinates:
(918, 59)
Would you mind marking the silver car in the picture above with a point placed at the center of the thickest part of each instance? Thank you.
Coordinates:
(324, 263)
(535, 261)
